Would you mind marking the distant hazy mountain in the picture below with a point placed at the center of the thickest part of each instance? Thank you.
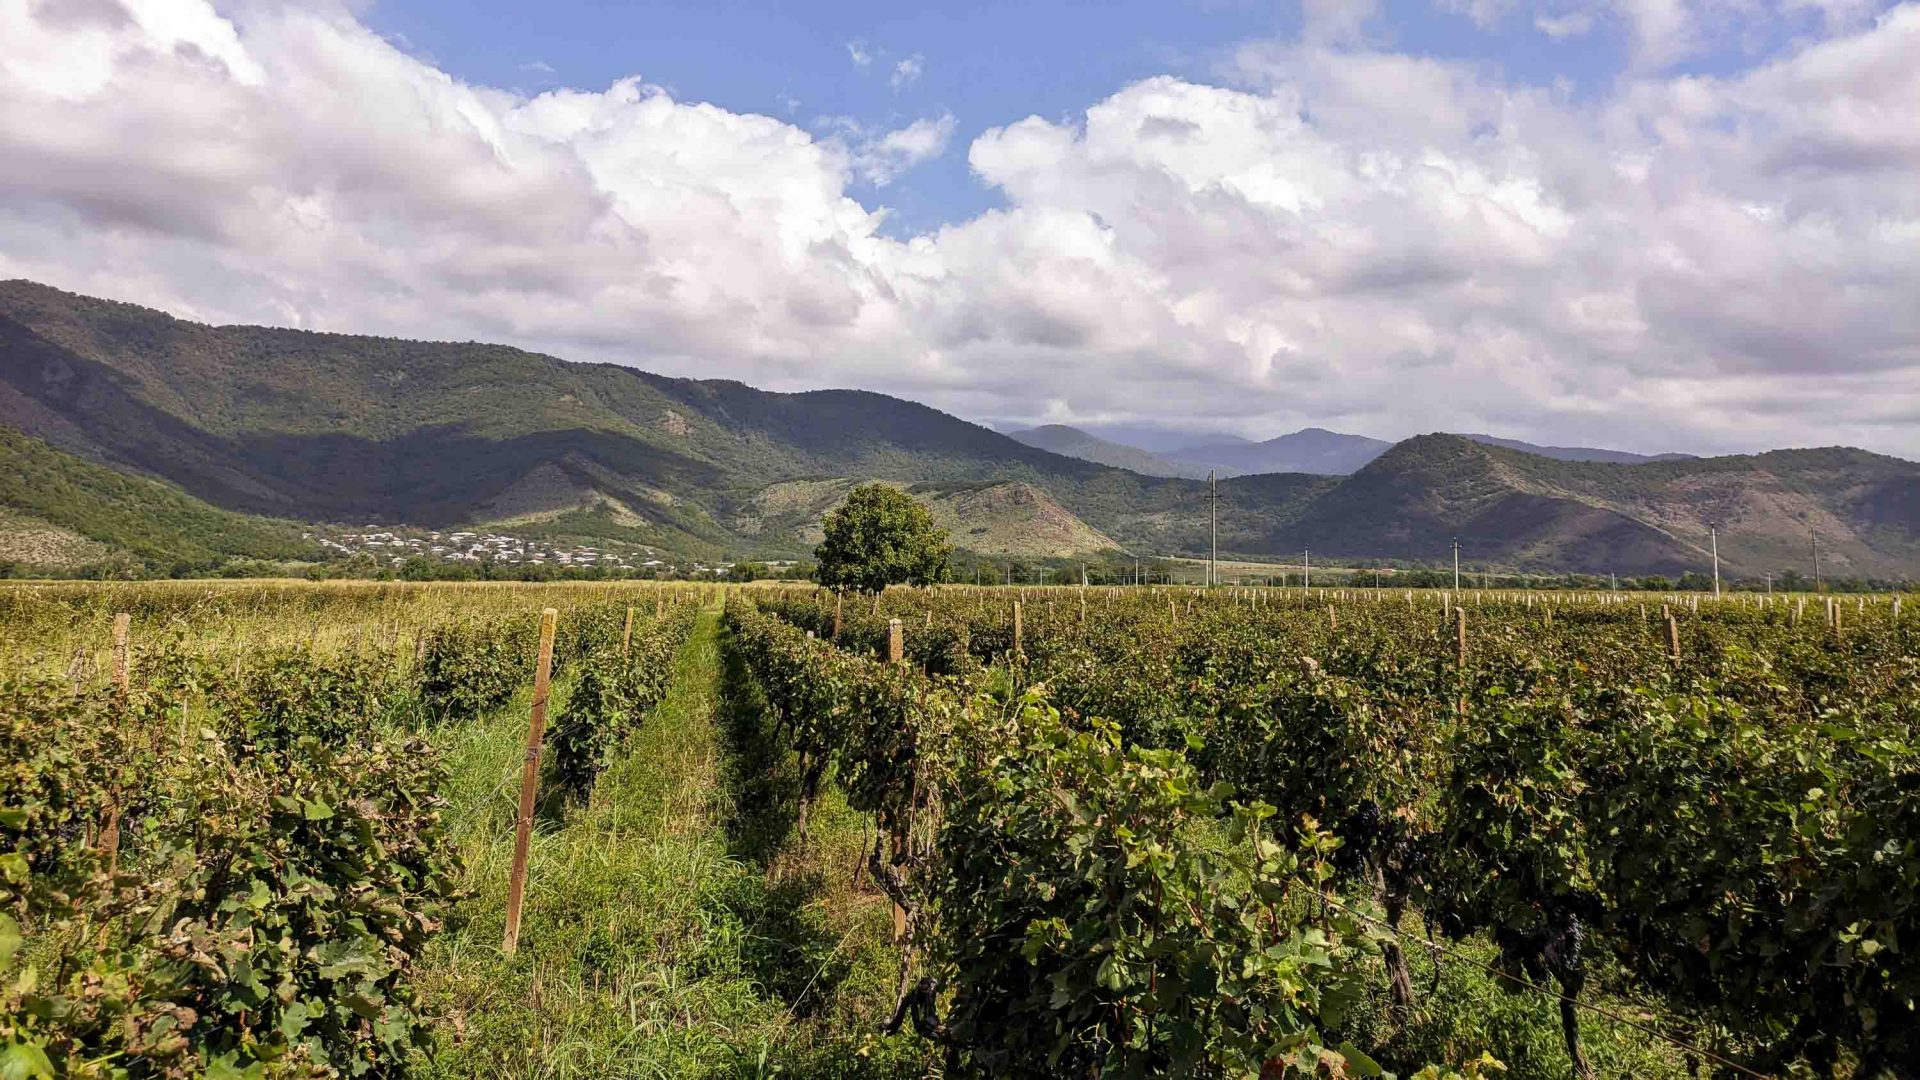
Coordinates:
(1075, 443)
(1577, 453)
(1310, 450)
(332, 427)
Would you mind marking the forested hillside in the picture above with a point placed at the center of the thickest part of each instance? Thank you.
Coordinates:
(332, 427)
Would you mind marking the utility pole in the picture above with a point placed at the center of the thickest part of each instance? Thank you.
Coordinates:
(1816, 558)
(1456, 564)
(1306, 570)
(1213, 526)
(1713, 535)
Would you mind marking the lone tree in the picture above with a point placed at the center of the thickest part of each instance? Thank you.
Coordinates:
(881, 537)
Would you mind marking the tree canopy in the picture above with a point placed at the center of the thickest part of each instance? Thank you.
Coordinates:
(880, 536)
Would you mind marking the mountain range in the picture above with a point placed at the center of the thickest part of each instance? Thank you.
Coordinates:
(1309, 450)
(284, 425)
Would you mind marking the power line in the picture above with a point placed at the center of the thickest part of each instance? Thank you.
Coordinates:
(1213, 524)
(1713, 534)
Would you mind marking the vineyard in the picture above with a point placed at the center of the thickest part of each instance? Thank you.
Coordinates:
(281, 830)
(1184, 828)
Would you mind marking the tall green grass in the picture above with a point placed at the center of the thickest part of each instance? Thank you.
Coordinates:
(662, 935)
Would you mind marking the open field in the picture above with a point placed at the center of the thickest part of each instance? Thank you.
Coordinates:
(1128, 830)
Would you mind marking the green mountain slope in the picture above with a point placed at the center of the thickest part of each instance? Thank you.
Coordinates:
(336, 427)
(332, 427)
(1521, 509)
(60, 511)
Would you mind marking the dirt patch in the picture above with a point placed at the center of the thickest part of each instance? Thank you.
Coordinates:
(27, 539)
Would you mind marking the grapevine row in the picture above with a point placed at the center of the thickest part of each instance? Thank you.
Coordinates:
(233, 865)
(1737, 826)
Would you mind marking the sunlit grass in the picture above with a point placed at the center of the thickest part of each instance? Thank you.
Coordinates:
(656, 942)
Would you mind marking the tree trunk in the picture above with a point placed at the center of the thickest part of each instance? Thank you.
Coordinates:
(1570, 1023)
(1399, 974)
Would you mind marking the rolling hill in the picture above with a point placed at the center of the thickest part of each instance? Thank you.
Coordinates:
(298, 425)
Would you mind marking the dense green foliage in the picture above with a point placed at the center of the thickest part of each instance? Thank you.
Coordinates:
(259, 915)
(616, 687)
(156, 526)
(879, 537)
(1731, 828)
(234, 868)
(1052, 877)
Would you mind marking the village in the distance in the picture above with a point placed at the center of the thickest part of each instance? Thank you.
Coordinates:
(393, 548)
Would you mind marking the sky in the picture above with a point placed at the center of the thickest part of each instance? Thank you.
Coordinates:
(1655, 225)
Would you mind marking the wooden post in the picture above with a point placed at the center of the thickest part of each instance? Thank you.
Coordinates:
(896, 644)
(1673, 636)
(626, 636)
(1460, 625)
(837, 598)
(1016, 628)
(529, 782)
(1333, 620)
(659, 607)
(122, 678)
(109, 841)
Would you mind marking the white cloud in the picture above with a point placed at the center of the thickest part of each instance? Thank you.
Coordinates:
(1485, 14)
(880, 159)
(907, 71)
(1336, 21)
(858, 52)
(1560, 27)
(1350, 237)
(1663, 33)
